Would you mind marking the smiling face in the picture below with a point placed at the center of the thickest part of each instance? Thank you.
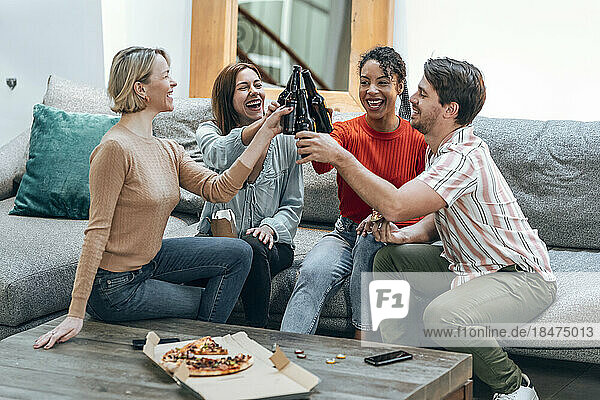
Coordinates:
(159, 89)
(426, 108)
(378, 91)
(248, 96)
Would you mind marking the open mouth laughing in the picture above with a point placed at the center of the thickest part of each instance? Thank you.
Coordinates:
(375, 104)
(254, 105)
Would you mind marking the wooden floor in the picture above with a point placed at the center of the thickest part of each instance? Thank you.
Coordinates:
(554, 380)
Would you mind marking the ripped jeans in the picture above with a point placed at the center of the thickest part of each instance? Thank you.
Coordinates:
(338, 254)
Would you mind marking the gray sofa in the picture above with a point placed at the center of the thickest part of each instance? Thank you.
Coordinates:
(551, 166)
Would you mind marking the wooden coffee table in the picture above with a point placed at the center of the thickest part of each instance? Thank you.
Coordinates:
(100, 364)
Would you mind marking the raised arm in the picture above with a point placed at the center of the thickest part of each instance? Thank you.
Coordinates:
(413, 199)
(222, 188)
(338, 135)
(219, 152)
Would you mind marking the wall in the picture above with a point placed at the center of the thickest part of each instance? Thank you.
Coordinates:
(39, 38)
(539, 58)
(150, 23)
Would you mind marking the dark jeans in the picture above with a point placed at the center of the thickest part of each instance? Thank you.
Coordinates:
(257, 289)
(156, 291)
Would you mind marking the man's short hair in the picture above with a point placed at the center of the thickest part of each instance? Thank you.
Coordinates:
(459, 82)
(131, 65)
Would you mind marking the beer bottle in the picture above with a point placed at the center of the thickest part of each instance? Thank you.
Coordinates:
(283, 95)
(288, 122)
(304, 122)
(316, 102)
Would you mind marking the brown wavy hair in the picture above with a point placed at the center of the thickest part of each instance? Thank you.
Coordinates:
(224, 115)
(457, 81)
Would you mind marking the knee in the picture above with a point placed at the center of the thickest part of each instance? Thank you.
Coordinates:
(383, 261)
(244, 252)
(396, 258)
(365, 248)
(315, 274)
(256, 245)
(440, 314)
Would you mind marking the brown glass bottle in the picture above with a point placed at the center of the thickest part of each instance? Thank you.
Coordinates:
(316, 102)
(304, 122)
(288, 122)
(296, 70)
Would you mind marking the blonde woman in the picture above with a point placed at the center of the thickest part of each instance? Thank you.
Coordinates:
(126, 270)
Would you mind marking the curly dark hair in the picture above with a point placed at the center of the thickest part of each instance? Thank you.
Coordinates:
(457, 81)
(391, 63)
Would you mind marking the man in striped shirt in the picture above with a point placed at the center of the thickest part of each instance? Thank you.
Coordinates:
(500, 267)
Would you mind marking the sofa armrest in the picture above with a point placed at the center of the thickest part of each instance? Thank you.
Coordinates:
(14, 156)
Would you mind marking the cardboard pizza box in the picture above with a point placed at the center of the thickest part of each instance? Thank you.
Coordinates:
(271, 376)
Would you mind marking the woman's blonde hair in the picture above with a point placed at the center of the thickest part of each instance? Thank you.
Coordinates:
(131, 65)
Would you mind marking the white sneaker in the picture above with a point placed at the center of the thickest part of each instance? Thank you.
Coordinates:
(525, 392)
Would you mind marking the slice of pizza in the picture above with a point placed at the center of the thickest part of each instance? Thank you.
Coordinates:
(205, 346)
(204, 366)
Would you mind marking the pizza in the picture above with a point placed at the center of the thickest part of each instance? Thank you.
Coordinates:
(203, 346)
(206, 366)
(199, 358)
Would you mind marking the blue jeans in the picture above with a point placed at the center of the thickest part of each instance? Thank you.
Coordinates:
(155, 290)
(338, 254)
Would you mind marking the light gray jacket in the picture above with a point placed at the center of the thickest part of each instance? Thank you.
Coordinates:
(276, 197)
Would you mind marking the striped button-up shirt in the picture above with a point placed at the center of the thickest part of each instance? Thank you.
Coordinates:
(482, 228)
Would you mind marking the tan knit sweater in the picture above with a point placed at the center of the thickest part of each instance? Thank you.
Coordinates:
(134, 187)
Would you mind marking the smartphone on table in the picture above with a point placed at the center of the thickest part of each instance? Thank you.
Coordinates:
(388, 358)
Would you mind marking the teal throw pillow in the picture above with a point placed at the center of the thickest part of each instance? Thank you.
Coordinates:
(56, 181)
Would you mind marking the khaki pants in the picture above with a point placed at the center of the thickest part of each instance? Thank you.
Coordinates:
(507, 296)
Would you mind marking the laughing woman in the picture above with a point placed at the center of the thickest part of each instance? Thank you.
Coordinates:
(126, 271)
(388, 146)
(268, 208)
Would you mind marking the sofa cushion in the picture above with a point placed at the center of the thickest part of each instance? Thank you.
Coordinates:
(37, 263)
(578, 279)
(56, 181)
(553, 170)
(14, 157)
(76, 97)
(321, 204)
